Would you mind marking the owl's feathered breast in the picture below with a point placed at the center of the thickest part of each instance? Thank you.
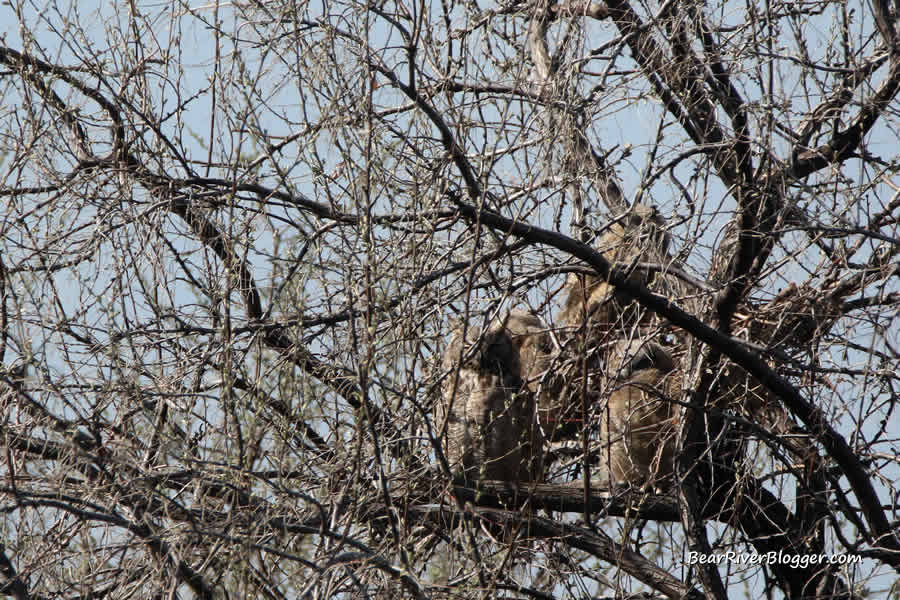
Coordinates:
(488, 410)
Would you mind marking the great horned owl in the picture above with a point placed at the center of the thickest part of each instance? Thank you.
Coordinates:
(531, 336)
(639, 236)
(724, 253)
(492, 430)
(639, 426)
(543, 370)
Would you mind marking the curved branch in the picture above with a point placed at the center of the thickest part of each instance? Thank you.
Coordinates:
(595, 543)
(584, 156)
(696, 112)
(834, 443)
(845, 143)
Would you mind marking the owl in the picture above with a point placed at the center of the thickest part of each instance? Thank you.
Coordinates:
(727, 246)
(638, 237)
(638, 427)
(544, 371)
(489, 411)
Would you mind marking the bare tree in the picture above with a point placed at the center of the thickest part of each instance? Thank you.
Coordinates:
(236, 238)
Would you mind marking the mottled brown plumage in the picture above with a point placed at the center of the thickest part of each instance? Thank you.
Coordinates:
(492, 430)
(639, 236)
(639, 426)
(532, 337)
(724, 252)
(595, 316)
(544, 372)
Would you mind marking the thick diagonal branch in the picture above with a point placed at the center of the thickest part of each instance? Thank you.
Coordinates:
(812, 417)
